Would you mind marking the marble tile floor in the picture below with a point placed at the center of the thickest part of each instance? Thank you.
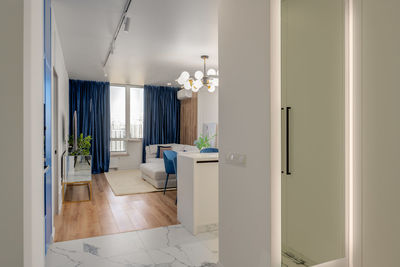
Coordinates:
(171, 246)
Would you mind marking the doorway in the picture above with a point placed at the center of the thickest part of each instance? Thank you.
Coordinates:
(313, 91)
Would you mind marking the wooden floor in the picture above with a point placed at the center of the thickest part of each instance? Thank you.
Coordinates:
(109, 214)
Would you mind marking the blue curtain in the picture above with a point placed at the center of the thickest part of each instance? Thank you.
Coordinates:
(161, 122)
(91, 100)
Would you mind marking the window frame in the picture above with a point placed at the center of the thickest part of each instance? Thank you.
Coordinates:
(127, 118)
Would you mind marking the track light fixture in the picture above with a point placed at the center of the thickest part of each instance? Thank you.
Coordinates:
(127, 24)
(124, 20)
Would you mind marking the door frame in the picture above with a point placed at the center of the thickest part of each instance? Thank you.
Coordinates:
(55, 143)
(352, 146)
(47, 112)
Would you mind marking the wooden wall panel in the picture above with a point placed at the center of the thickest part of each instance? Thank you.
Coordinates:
(189, 120)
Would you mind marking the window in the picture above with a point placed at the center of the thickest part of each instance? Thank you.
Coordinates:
(126, 107)
(136, 116)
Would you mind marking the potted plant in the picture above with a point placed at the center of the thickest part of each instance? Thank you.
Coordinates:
(80, 152)
(203, 142)
(83, 145)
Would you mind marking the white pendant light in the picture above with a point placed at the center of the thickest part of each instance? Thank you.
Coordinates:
(211, 88)
(207, 79)
(187, 85)
(215, 82)
(197, 85)
(184, 77)
(211, 72)
(198, 75)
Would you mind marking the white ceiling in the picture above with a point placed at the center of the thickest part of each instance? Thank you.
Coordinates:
(165, 38)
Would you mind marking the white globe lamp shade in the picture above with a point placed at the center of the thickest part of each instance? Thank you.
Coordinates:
(187, 85)
(197, 85)
(183, 77)
(181, 81)
(198, 75)
(215, 82)
(211, 89)
(211, 72)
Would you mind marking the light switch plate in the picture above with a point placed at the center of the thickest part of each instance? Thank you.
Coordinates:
(235, 158)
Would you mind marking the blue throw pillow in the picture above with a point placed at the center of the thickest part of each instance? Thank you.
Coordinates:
(158, 150)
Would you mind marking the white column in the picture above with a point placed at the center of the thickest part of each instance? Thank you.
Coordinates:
(32, 163)
(248, 83)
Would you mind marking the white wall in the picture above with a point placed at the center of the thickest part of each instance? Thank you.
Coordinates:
(380, 133)
(207, 109)
(63, 113)
(11, 119)
(130, 161)
(245, 127)
(21, 106)
(33, 193)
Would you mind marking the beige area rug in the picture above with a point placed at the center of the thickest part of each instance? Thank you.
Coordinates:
(129, 182)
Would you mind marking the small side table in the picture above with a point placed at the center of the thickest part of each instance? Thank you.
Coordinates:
(78, 173)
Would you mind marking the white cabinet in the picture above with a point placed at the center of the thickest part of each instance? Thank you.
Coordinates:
(198, 191)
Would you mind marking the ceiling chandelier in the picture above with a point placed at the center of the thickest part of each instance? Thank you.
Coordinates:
(207, 79)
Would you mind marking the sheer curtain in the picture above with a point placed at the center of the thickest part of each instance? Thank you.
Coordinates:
(136, 113)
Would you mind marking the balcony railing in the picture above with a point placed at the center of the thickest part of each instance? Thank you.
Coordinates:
(117, 145)
(119, 136)
(136, 130)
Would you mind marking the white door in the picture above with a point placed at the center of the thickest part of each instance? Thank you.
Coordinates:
(313, 102)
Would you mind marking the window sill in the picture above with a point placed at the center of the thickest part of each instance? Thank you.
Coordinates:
(119, 154)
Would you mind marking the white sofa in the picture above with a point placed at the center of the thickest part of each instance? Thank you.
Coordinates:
(153, 171)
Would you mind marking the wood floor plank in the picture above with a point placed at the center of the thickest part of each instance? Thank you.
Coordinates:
(109, 214)
(137, 219)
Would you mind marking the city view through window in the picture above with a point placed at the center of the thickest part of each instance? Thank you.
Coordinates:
(126, 116)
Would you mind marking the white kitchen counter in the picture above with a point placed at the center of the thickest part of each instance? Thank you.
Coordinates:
(198, 191)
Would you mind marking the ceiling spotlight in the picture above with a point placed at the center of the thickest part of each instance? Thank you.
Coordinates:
(169, 84)
(105, 71)
(127, 24)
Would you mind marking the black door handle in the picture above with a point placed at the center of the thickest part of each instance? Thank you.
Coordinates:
(287, 140)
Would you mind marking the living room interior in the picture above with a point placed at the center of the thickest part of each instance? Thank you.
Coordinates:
(139, 160)
(307, 134)
(133, 84)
